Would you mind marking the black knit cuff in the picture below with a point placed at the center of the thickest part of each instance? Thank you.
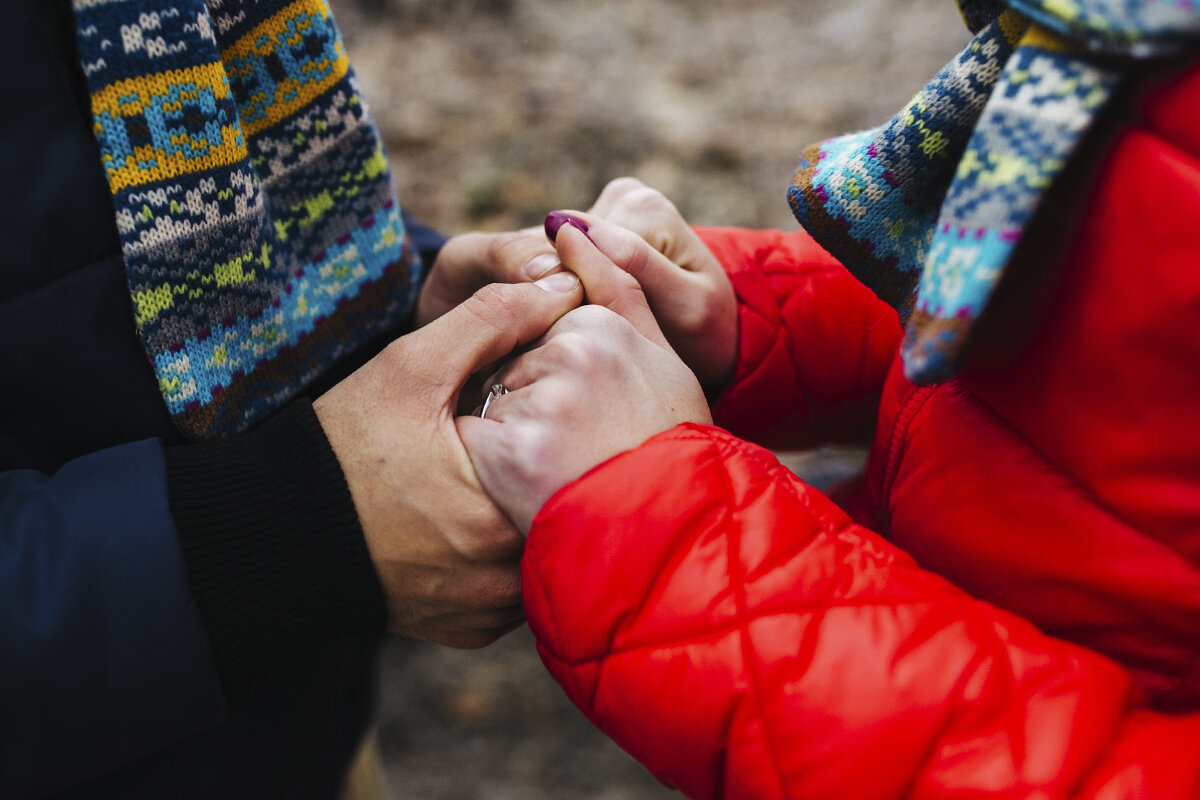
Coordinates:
(273, 546)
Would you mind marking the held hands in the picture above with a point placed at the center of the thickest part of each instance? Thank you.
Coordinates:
(605, 378)
(446, 556)
(686, 287)
(643, 233)
(601, 381)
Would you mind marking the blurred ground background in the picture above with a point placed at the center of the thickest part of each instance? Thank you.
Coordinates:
(494, 112)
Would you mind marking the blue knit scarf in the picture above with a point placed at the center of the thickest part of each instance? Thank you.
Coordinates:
(260, 234)
(928, 209)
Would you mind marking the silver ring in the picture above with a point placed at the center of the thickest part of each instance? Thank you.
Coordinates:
(496, 390)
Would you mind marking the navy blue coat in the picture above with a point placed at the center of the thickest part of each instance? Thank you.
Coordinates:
(108, 681)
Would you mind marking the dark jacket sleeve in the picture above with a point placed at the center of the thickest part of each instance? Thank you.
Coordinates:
(142, 585)
(103, 656)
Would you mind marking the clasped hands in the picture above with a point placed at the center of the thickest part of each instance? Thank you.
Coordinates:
(603, 338)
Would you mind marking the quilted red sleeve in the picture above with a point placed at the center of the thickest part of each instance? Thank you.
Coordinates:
(814, 344)
(734, 631)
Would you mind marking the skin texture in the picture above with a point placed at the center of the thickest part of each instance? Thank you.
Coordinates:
(685, 285)
(643, 233)
(601, 381)
(470, 261)
(446, 556)
(609, 375)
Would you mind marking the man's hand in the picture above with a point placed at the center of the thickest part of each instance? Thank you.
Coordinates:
(471, 261)
(601, 381)
(446, 556)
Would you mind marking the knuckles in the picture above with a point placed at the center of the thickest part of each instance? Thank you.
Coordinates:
(630, 194)
(495, 306)
(644, 210)
(619, 187)
(532, 447)
(592, 342)
(555, 399)
(593, 317)
(649, 201)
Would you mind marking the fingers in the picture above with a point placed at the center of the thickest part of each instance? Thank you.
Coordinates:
(629, 203)
(491, 324)
(472, 260)
(685, 285)
(490, 447)
(514, 257)
(583, 338)
(606, 284)
(521, 256)
(592, 387)
(634, 252)
(615, 196)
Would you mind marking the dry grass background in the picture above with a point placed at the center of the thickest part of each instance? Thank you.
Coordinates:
(496, 111)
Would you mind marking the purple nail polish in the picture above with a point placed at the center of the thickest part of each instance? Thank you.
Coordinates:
(556, 219)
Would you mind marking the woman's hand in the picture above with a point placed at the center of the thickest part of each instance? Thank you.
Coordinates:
(687, 289)
(601, 381)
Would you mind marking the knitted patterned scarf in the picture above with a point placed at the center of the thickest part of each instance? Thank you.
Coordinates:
(927, 210)
(260, 235)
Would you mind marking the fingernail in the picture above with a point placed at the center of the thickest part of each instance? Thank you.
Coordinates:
(539, 266)
(559, 282)
(556, 219)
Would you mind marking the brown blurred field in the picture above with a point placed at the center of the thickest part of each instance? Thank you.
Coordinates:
(496, 111)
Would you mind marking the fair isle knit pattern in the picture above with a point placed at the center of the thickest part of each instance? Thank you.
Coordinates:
(872, 198)
(927, 210)
(1045, 102)
(1135, 28)
(260, 234)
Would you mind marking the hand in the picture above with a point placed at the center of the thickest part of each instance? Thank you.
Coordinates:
(601, 381)
(446, 556)
(686, 287)
(471, 261)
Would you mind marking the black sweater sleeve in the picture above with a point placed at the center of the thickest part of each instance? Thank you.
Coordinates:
(272, 543)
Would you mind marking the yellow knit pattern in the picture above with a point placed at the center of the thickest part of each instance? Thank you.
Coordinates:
(284, 29)
(168, 91)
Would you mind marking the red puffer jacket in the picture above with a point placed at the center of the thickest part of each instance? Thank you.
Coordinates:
(1012, 605)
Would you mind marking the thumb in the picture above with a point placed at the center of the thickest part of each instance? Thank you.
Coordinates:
(491, 323)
